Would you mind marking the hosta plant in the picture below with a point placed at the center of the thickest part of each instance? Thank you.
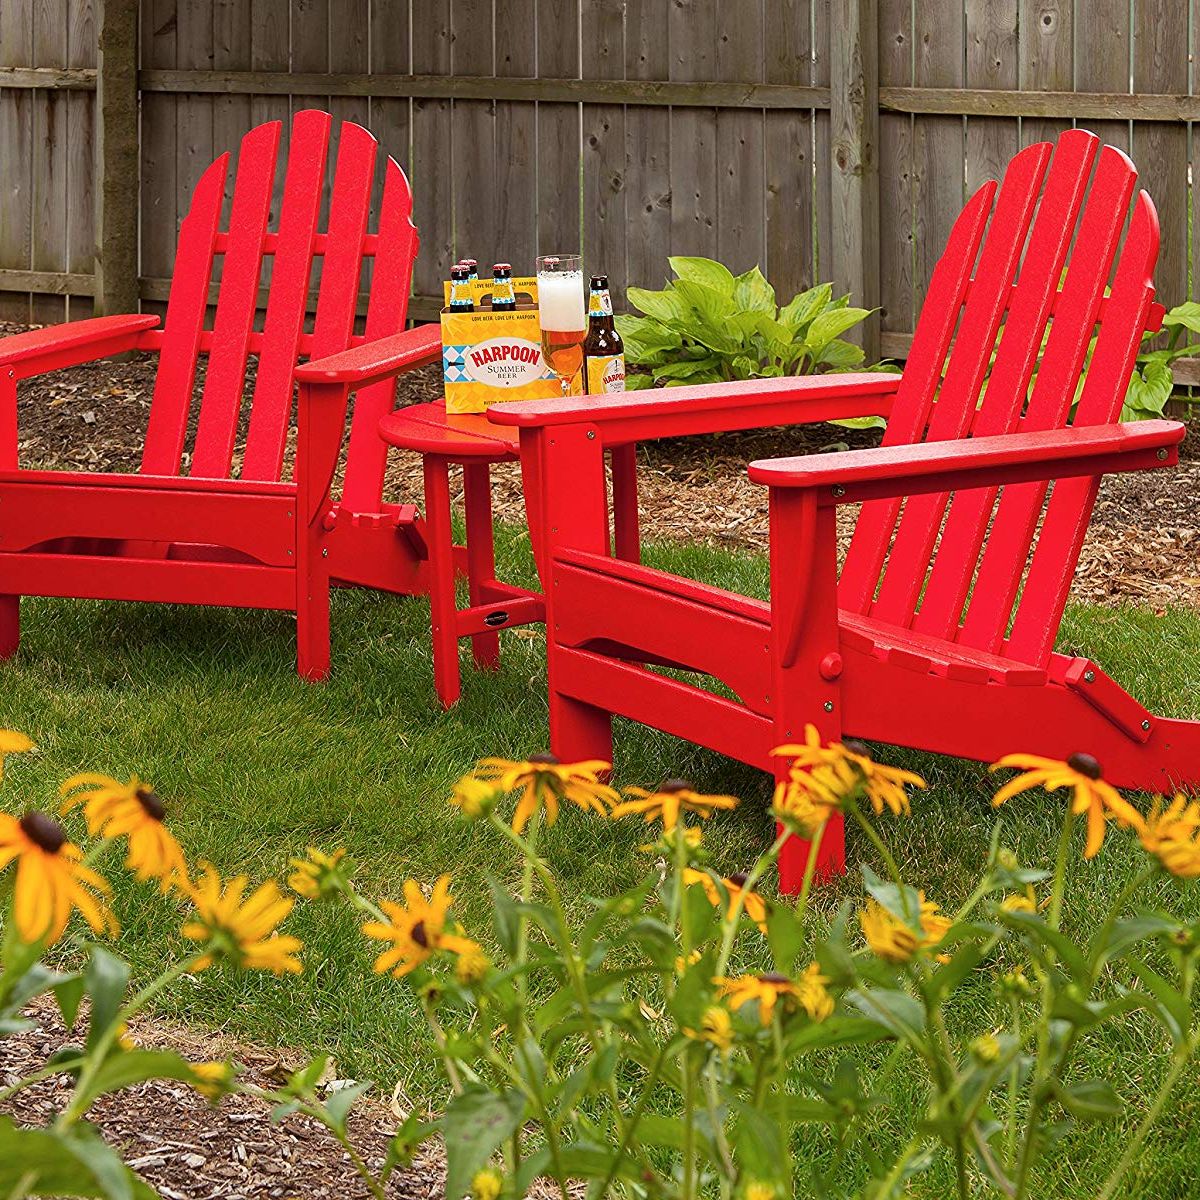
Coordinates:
(709, 325)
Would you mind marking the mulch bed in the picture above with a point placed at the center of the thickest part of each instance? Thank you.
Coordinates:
(1143, 544)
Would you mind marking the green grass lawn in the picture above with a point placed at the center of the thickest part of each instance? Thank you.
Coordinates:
(256, 765)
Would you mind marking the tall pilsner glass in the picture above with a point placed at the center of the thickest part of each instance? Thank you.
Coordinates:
(562, 315)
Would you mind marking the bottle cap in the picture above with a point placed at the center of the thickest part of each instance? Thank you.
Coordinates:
(459, 272)
(599, 281)
(469, 262)
(502, 269)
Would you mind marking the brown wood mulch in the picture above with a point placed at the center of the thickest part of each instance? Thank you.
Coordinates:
(1143, 545)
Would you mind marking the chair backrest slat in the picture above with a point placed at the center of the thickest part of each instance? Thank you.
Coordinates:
(1070, 507)
(366, 457)
(985, 537)
(954, 413)
(1029, 309)
(288, 297)
(910, 413)
(221, 403)
(167, 428)
(1015, 522)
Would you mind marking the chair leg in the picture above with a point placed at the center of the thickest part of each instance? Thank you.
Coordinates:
(10, 625)
(481, 555)
(312, 627)
(442, 608)
(831, 857)
(579, 731)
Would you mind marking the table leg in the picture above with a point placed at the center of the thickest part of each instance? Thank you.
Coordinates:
(625, 503)
(439, 538)
(481, 555)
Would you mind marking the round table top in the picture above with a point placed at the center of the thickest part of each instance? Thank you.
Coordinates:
(430, 429)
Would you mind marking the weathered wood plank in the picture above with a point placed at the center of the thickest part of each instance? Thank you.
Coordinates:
(854, 166)
(16, 146)
(1102, 60)
(822, 141)
(692, 40)
(57, 283)
(82, 35)
(896, 288)
(1047, 58)
(788, 183)
(430, 177)
(158, 138)
(473, 138)
(559, 186)
(647, 148)
(233, 49)
(390, 119)
(514, 194)
(68, 78)
(116, 197)
(1160, 64)
(49, 249)
(992, 61)
(194, 112)
(741, 146)
(603, 145)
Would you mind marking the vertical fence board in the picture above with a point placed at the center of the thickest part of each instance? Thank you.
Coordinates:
(788, 158)
(741, 211)
(514, 191)
(1047, 59)
(992, 62)
(1160, 64)
(16, 141)
(603, 144)
(1102, 59)
(559, 204)
(431, 176)
(647, 149)
(49, 250)
(896, 288)
(158, 232)
(193, 114)
(822, 141)
(81, 166)
(693, 36)
(473, 137)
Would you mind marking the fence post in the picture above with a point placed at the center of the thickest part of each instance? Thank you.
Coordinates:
(854, 125)
(117, 158)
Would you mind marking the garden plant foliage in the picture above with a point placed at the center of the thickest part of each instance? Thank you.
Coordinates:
(687, 1037)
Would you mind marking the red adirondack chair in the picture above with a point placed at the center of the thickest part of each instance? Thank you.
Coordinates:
(940, 632)
(247, 537)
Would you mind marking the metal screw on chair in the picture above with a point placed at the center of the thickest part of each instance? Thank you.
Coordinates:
(838, 490)
(829, 706)
(1162, 455)
(591, 435)
(1089, 677)
(1146, 724)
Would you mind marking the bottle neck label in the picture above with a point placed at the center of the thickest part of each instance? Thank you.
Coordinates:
(600, 304)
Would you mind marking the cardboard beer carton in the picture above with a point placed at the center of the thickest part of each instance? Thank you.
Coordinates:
(489, 357)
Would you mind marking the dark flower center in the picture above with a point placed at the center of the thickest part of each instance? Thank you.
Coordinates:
(43, 832)
(150, 801)
(738, 879)
(671, 786)
(419, 935)
(1085, 764)
(856, 747)
(545, 759)
(774, 978)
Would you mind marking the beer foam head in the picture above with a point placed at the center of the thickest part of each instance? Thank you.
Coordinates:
(560, 301)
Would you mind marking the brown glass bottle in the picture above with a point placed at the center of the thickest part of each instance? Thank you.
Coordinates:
(603, 351)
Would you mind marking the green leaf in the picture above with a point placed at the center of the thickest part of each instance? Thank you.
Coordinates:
(1042, 938)
(892, 1008)
(706, 271)
(124, 1068)
(1172, 1009)
(1185, 315)
(477, 1121)
(647, 341)
(341, 1101)
(1149, 390)
(759, 1138)
(74, 1163)
(785, 934)
(688, 369)
(841, 355)
(804, 306)
(752, 293)
(663, 306)
(859, 422)
(835, 1031)
(504, 915)
(1090, 1100)
(833, 324)
(638, 383)
(106, 979)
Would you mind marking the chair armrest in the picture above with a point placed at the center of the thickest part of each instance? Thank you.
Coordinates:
(58, 346)
(709, 407)
(976, 462)
(373, 361)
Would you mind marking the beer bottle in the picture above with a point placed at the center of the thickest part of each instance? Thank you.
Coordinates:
(472, 268)
(504, 298)
(603, 352)
(460, 290)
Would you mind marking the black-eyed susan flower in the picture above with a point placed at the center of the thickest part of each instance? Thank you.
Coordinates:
(1082, 775)
(808, 992)
(1018, 902)
(1172, 835)
(752, 904)
(319, 875)
(487, 1184)
(812, 752)
(543, 782)
(474, 797)
(883, 786)
(669, 801)
(51, 881)
(417, 929)
(242, 931)
(893, 940)
(12, 741)
(213, 1079)
(472, 964)
(800, 807)
(131, 810)
(714, 1028)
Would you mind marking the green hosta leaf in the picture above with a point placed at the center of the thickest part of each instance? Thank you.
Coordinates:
(647, 341)
(106, 979)
(707, 317)
(804, 306)
(840, 355)
(638, 383)
(1185, 315)
(476, 1122)
(688, 369)
(860, 422)
(706, 271)
(753, 293)
(832, 324)
(1148, 391)
(663, 306)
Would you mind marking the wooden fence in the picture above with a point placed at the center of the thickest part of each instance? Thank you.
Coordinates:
(819, 138)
